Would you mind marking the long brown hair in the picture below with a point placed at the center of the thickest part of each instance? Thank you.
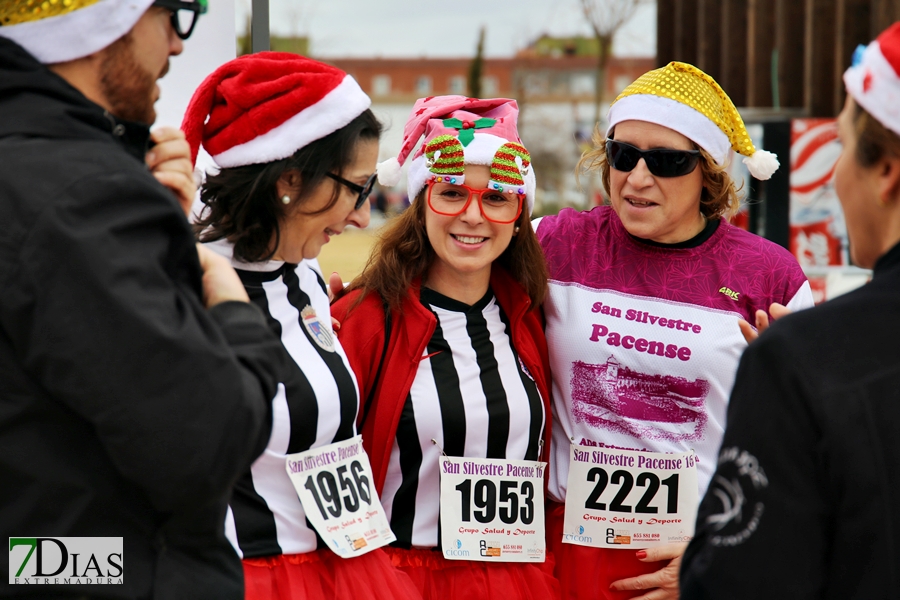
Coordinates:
(404, 253)
(719, 197)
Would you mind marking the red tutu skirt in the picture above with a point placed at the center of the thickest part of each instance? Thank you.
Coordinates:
(437, 578)
(586, 573)
(322, 575)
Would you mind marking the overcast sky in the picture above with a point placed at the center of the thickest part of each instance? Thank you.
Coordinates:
(404, 28)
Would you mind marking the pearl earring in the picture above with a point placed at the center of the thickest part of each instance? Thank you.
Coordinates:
(516, 230)
(286, 199)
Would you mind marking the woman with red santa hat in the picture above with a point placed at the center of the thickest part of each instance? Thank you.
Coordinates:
(804, 500)
(444, 333)
(296, 145)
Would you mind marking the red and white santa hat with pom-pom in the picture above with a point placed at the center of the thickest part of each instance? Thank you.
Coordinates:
(264, 107)
(874, 78)
(461, 131)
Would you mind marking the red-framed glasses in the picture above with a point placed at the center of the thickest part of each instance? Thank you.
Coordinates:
(452, 199)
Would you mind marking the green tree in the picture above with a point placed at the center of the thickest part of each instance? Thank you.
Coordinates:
(476, 67)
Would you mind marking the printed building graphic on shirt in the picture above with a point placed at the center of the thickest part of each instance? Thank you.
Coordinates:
(610, 396)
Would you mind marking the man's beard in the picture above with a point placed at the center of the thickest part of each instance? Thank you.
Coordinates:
(126, 85)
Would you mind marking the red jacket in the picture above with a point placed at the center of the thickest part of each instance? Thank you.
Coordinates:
(362, 336)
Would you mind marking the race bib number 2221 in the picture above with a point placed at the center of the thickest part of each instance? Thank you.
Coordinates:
(629, 499)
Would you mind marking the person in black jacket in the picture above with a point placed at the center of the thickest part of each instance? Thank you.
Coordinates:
(805, 498)
(135, 378)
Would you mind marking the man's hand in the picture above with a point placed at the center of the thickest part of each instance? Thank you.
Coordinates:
(170, 162)
(220, 281)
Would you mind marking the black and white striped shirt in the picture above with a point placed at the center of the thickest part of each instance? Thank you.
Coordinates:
(315, 406)
(473, 397)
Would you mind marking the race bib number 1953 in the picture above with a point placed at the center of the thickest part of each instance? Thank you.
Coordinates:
(334, 483)
(628, 499)
(492, 509)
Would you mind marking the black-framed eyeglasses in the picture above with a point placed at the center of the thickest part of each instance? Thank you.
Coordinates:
(184, 14)
(662, 162)
(362, 190)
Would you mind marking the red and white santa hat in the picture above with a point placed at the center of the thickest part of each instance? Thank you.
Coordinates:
(461, 131)
(264, 107)
(874, 78)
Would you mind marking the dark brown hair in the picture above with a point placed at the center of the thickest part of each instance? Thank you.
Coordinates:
(719, 197)
(873, 139)
(404, 253)
(242, 203)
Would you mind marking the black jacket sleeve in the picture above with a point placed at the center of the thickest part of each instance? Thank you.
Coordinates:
(103, 309)
(761, 527)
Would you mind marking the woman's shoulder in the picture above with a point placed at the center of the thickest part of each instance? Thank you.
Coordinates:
(746, 246)
(571, 228)
(761, 268)
(571, 218)
(355, 302)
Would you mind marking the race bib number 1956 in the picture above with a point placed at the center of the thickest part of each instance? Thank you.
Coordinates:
(492, 510)
(334, 483)
(628, 499)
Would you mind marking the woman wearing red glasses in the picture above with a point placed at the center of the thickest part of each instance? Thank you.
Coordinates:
(296, 145)
(642, 326)
(443, 332)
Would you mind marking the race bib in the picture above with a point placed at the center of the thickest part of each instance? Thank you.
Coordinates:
(628, 499)
(492, 510)
(334, 483)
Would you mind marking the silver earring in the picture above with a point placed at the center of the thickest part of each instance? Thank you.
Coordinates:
(516, 230)
(286, 199)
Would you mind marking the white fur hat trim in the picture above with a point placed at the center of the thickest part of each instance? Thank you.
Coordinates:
(676, 116)
(79, 33)
(335, 110)
(881, 95)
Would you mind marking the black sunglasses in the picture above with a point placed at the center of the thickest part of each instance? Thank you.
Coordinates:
(663, 162)
(362, 190)
(184, 14)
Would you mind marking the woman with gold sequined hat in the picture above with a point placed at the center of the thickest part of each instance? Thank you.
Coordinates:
(642, 326)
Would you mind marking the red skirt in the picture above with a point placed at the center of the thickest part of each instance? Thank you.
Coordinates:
(586, 573)
(323, 575)
(437, 578)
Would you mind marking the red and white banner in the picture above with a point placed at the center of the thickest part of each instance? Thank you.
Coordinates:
(818, 235)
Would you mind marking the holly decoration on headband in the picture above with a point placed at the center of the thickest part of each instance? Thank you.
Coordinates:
(467, 128)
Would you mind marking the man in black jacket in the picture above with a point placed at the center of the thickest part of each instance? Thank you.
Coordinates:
(135, 379)
(805, 501)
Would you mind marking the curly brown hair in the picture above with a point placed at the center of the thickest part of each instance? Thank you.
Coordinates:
(404, 253)
(719, 197)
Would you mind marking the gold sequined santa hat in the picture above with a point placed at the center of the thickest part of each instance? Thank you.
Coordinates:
(55, 31)
(874, 78)
(687, 100)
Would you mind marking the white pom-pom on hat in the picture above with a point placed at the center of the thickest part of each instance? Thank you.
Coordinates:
(762, 164)
(388, 172)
